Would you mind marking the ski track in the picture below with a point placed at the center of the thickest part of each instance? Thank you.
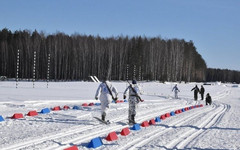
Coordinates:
(155, 133)
(84, 138)
(187, 137)
(194, 133)
(76, 130)
(218, 119)
(180, 143)
(62, 140)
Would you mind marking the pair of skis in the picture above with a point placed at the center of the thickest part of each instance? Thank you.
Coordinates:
(108, 122)
(102, 121)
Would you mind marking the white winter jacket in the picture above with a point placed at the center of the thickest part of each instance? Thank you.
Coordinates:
(104, 92)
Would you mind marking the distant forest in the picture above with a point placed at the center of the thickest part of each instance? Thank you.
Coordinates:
(223, 75)
(77, 57)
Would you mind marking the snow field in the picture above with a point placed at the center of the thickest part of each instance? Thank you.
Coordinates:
(62, 137)
(62, 129)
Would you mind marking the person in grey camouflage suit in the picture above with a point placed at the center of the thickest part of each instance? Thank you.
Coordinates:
(132, 100)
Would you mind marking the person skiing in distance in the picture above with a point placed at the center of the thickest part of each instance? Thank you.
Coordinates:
(176, 90)
(105, 90)
(133, 100)
(208, 99)
(202, 90)
(196, 90)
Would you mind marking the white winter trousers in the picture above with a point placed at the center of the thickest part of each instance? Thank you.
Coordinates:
(105, 102)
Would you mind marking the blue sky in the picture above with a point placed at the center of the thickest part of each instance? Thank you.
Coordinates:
(213, 25)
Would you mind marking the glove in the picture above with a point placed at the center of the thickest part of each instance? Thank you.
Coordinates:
(141, 100)
(96, 98)
(115, 100)
(124, 96)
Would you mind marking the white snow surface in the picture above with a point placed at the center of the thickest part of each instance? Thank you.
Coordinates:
(208, 127)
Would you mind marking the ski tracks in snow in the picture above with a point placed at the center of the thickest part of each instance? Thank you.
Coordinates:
(82, 133)
(160, 130)
(147, 114)
(212, 117)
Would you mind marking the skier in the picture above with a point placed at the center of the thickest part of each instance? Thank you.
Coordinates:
(202, 90)
(176, 90)
(196, 90)
(208, 99)
(133, 100)
(105, 90)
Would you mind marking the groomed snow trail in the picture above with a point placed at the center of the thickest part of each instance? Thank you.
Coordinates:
(79, 134)
(78, 127)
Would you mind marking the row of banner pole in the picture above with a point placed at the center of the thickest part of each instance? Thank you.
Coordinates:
(48, 70)
(134, 72)
(34, 68)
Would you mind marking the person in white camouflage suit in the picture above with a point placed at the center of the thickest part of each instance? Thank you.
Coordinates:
(176, 90)
(105, 96)
(133, 101)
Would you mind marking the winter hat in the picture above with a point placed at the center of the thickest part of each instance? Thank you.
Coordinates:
(105, 78)
(134, 82)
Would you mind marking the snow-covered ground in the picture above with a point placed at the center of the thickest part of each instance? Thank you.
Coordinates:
(208, 127)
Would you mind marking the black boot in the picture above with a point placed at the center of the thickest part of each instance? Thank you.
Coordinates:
(133, 119)
(130, 121)
(103, 117)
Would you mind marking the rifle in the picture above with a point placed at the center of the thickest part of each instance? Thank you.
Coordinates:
(111, 93)
(138, 97)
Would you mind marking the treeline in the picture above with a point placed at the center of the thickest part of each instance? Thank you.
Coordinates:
(223, 75)
(76, 57)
